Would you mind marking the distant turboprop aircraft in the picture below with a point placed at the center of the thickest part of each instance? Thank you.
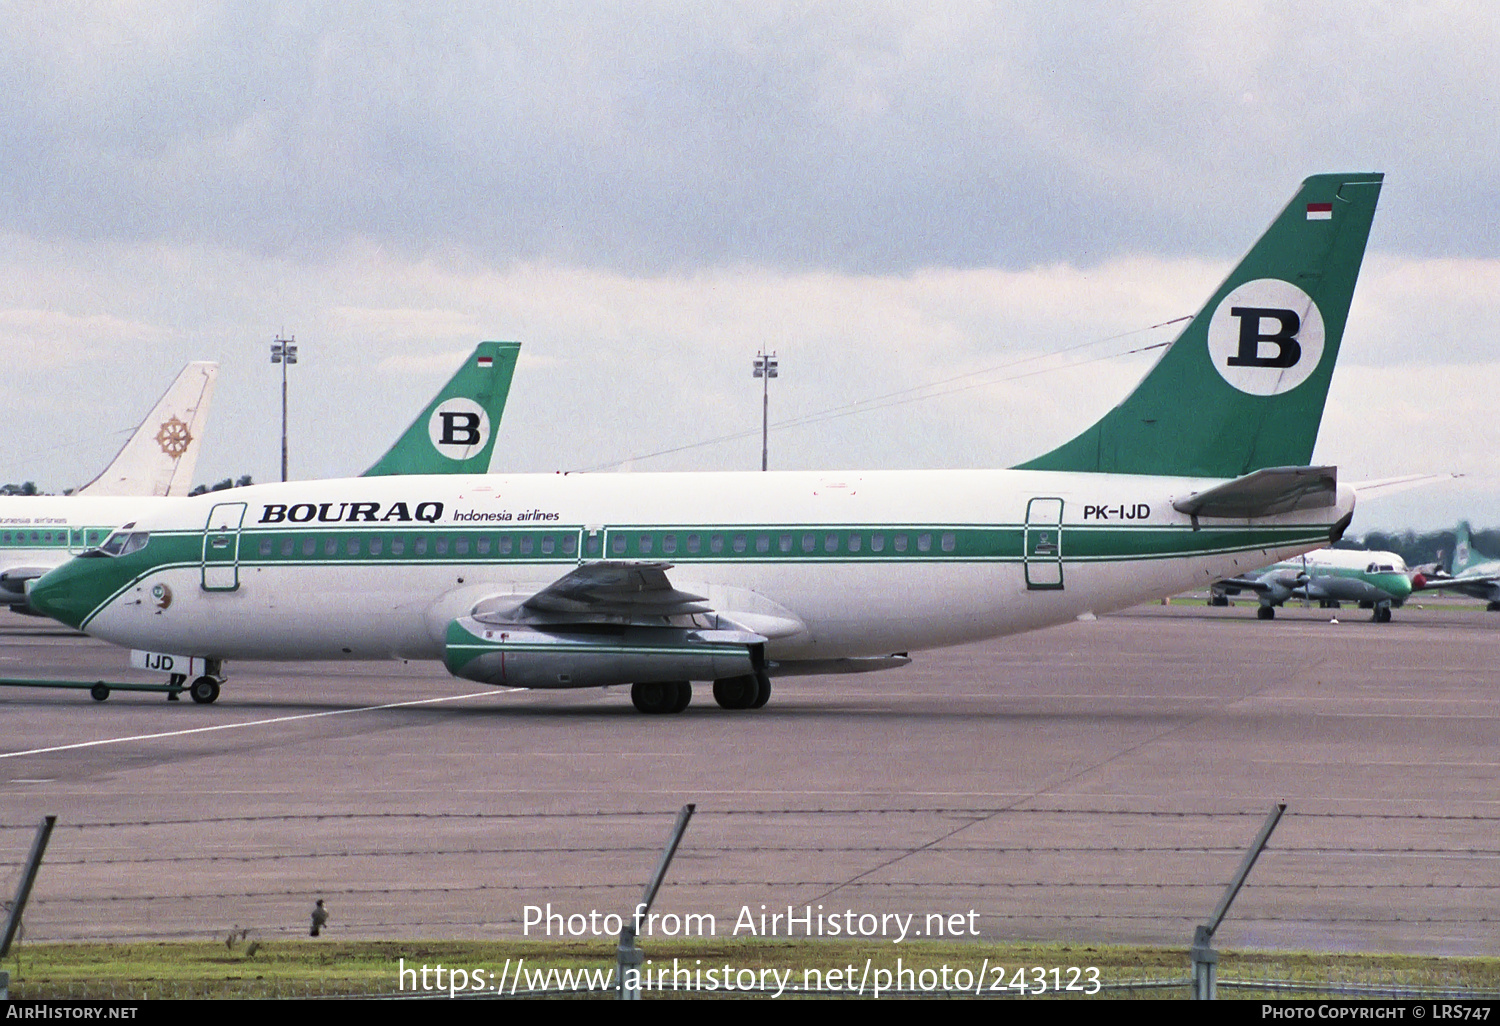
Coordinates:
(1373, 580)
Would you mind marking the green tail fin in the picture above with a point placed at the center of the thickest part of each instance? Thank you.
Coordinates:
(455, 434)
(1464, 555)
(1243, 386)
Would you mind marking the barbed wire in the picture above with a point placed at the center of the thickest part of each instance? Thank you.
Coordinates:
(701, 813)
(981, 885)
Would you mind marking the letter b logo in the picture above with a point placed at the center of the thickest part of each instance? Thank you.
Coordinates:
(1266, 337)
(459, 428)
(1252, 334)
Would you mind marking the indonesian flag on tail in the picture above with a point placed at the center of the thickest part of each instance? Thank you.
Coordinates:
(1320, 211)
(486, 362)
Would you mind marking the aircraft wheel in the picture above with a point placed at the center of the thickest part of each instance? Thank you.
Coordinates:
(1492, 607)
(1382, 614)
(1266, 613)
(99, 692)
(737, 692)
(205, 690)
(656, 697)
(1218, 600)
(764, 679)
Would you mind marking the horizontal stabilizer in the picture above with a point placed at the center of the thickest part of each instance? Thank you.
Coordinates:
(1392, 485)
(1265, 493)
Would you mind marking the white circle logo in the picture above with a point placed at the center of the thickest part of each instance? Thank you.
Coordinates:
(1266, 337)
(459, 428)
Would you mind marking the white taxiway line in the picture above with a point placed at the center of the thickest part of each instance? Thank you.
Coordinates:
(253, 723)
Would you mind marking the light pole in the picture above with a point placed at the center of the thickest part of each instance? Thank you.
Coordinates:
(765, 369)
(284, 352)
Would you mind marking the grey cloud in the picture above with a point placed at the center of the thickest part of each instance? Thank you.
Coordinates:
(862, 137)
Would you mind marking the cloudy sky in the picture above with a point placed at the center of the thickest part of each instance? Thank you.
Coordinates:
(955, 222)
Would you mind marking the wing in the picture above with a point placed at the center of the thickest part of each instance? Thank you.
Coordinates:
(1254, 584)
(617, 590)
(615, 622)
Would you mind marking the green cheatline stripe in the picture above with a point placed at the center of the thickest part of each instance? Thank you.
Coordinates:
(823, 544)
(1080, 544)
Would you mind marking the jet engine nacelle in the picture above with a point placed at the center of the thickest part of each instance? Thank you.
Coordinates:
(523, 656)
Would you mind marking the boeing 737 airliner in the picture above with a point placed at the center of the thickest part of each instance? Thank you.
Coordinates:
(657, 580)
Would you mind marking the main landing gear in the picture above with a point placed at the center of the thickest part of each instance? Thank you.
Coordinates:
(659, 697)
(750, 691)
(1266, 613)
(1382, 614)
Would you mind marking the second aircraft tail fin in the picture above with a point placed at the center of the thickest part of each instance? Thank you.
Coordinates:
(160, 458)
(455, 434)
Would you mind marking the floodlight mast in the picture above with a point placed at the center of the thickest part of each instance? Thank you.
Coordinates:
(765, 369)
(284, 352)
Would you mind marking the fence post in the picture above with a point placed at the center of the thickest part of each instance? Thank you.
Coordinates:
(1205, 958)
(628, 956)
(23, 889)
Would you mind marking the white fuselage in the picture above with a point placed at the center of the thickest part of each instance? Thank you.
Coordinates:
(962, 555)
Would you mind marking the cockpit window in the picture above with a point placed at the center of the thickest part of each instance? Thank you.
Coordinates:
(123, 542)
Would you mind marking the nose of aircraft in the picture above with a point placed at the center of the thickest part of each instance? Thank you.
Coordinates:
(59, 594)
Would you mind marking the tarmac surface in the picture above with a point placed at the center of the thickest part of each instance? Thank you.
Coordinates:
(1092, 783)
